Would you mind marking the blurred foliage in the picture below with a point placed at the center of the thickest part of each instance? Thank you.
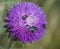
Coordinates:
(51, 39)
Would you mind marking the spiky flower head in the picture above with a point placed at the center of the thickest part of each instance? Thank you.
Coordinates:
(27, 22)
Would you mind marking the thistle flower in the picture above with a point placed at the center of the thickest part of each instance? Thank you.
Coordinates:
(27, 22)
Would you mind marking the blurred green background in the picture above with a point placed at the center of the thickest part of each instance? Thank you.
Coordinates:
(51, 39)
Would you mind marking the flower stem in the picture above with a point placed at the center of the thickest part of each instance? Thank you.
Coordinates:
(10, 44)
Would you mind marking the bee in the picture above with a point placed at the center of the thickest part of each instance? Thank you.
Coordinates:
(24, 17)
(44, 26)
(32, 28)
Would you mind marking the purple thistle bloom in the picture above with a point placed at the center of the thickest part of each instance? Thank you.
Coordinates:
(27, 22)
